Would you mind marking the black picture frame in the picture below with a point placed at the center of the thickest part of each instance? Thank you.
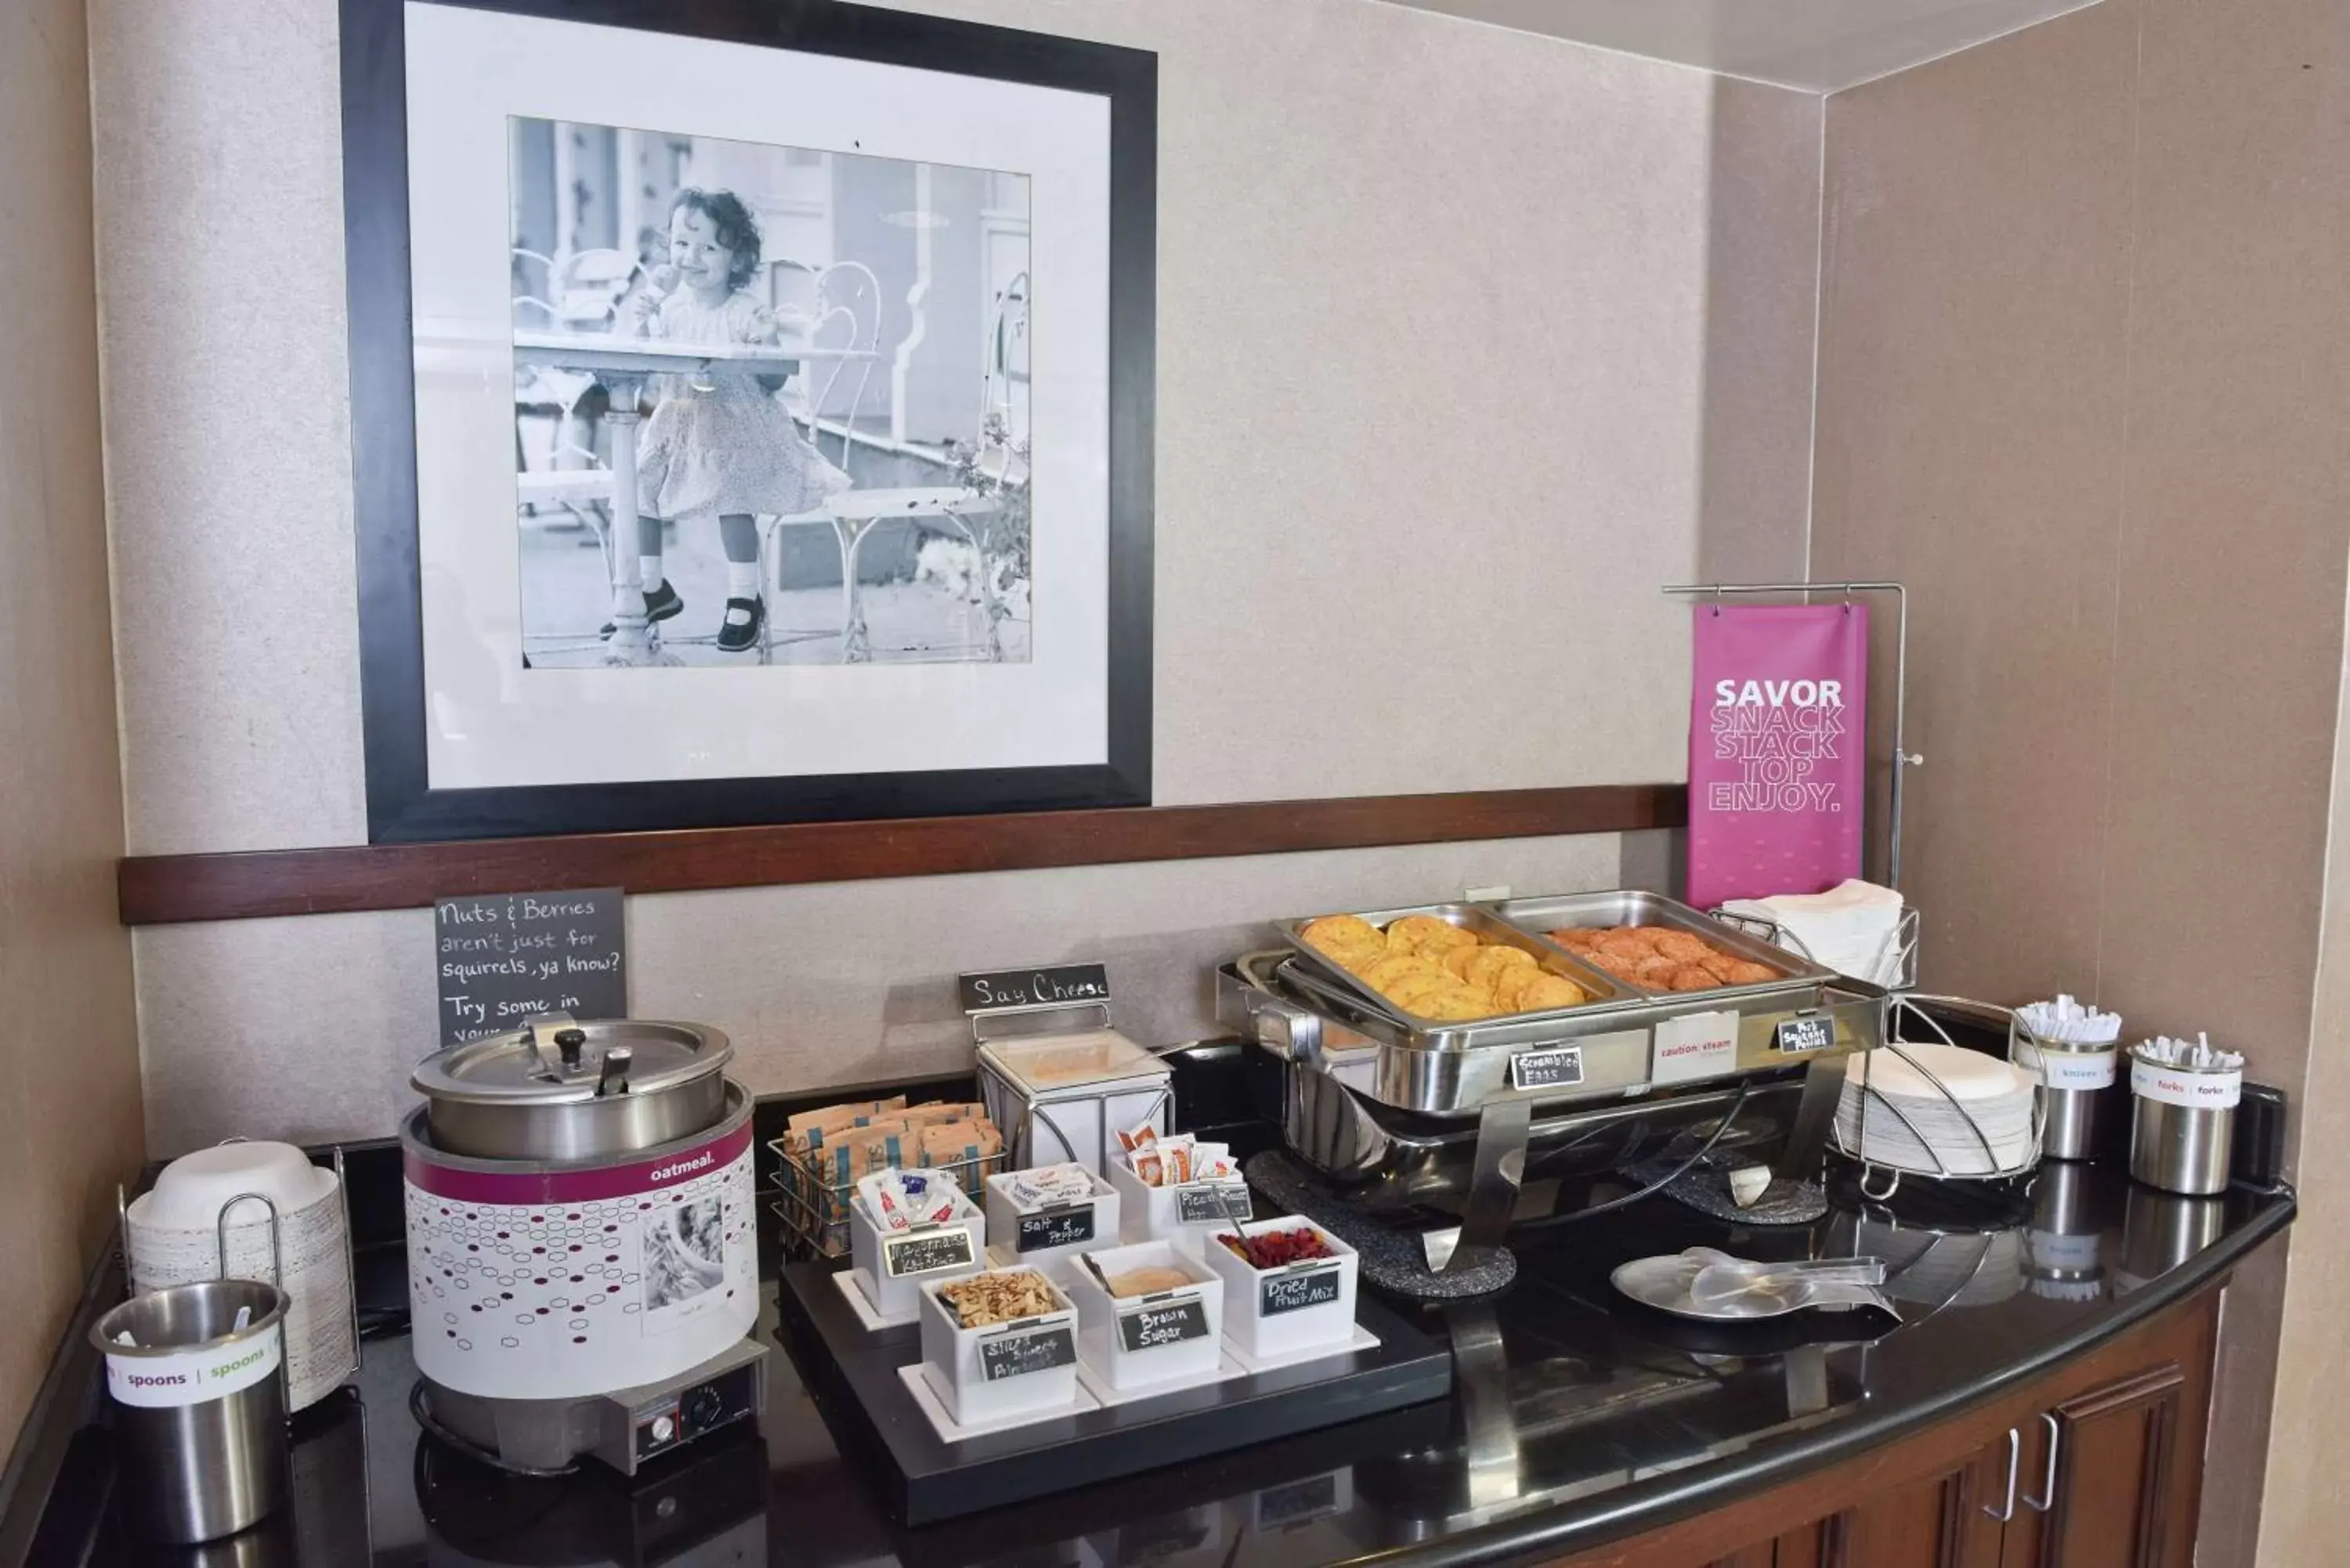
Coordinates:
(401, 805)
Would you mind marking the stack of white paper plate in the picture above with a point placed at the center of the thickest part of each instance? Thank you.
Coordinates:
(1937, 1110)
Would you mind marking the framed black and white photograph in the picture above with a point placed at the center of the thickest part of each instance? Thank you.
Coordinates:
(752, 414)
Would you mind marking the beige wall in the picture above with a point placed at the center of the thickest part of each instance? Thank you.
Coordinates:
(69, 1106)
(1532, 320)
(2084, 378)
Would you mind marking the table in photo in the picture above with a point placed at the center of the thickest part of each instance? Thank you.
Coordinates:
(620, 366)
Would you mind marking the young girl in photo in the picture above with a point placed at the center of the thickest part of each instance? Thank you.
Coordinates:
(718, 444)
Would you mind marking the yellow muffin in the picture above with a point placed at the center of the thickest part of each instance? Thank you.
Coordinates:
(1349, 941)
(1550, 991)
(1510, 984)
(1486, 964)
(1456, 1004)
(1382, 974)
(1415, 932)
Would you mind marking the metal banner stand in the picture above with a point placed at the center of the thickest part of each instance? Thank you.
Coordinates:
(1902, 757)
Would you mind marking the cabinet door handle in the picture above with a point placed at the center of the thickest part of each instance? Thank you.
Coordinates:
(2006, 1511)
(2047, 1497)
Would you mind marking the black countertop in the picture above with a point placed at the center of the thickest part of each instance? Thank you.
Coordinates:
(1576, 1418)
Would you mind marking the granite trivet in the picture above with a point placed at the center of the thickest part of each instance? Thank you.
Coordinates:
(1391, 1258)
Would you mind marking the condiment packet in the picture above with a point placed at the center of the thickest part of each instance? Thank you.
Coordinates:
(1133, 1139)
(1048, 1185)
(1212, 1162)
(859, 1151)
(809, 1129)
(1148, 1165)
(1178, 1150)
(900, 1199)
(953, 1143)
(936, 1114)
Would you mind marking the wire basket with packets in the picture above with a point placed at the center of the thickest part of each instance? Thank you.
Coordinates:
(824, 1153)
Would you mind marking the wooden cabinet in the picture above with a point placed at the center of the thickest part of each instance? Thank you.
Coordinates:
(2097, 1465)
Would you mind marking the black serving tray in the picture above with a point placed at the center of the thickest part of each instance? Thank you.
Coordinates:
(853, 1374)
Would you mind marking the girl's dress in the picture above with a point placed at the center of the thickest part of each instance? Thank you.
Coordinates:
(726, 445)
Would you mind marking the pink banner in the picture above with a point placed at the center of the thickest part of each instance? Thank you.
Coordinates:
(1777, 726)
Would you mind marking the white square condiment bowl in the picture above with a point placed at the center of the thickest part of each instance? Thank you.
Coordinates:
(1311, 1304)
(1169, 1336)
(1003, 1225)
(976, 1372)
(1156, 1213)
(893, 1296)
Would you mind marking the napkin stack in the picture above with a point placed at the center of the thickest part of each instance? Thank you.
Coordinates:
(1854, 928)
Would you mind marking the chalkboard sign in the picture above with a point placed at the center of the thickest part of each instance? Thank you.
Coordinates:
(923, 1252)
(503, 959)
(1017, 1354)
(1557, 1067)
(1063, 1227)
(1807, 1033)
(1025, 989)
(1279, 1293)
(1197, 1203)
(1147, 1327)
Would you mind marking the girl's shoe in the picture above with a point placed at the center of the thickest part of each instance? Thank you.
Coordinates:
(660, 605)
(739, 631)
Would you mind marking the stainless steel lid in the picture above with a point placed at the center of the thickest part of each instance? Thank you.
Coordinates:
(556, 1060)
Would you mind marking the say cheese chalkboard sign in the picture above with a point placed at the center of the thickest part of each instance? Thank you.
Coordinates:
(925, 1251)
(1159, 1321)
(1063, 1227)
(1020, 1353)
(1297, 1291)
(503, 959)
(1030, 990)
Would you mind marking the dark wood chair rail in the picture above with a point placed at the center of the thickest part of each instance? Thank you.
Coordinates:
(160, 889)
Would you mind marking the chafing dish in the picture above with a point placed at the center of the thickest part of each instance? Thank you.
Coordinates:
(1373, 1096)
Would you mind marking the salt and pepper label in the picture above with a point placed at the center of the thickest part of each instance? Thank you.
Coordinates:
(1162, 1320)
(1694, 1045)
(927, 1252)
(195, 1377)
(1064, 1226)
(1294, 1292)
(2177, 1086)
(1815, 1033)
(1029, 990)
(1559, 1066)
(1020, 1352)
(1196, 1204)
(2068, 1069)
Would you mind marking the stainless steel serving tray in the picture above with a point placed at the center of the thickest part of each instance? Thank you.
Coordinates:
(1502, 1028)
(1632, 907)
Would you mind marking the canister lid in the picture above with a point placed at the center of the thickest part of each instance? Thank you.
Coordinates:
(559, 1060)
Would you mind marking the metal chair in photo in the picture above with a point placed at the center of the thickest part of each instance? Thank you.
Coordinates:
(958, 511)
(577, 484)
(847, 295)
